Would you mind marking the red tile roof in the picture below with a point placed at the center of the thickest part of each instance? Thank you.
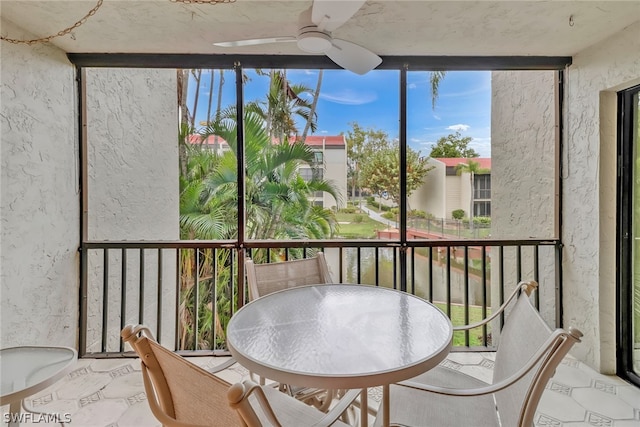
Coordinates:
(485, 162)
(196, 139)
(319, 141)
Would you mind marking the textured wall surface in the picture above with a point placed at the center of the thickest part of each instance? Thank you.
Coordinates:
(132, 135)
(335, 161)
(523, 175)
(132, 138)
(39, 204)
(430, 197)
(589, 227)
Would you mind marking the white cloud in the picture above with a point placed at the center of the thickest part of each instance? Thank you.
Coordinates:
(435, 116)
(412, 86)
(459, 127)
(350, 97)
(482, 146)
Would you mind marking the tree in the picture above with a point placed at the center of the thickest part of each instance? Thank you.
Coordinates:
(361, 143)
(435, 77)
(278, 206)
(381, 171)
(453, 145)
(283, 104)
(277, 196)
(314, 104)
(472, 168)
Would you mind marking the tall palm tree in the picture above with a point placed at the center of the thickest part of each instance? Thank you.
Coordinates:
(314, 104)
(277, 196)
(435, 78)
(283, 104)
(278, 207)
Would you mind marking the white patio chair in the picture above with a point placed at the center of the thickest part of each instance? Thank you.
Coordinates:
(263, 279)
(256, 405)
(527, 356)
(181, 394)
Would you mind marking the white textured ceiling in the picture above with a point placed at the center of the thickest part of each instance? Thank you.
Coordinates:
(388, 27)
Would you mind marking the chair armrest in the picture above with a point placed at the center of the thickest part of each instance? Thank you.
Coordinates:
(238, 396)
(526, 287)
(221, 367)
(344, 403)
(557, 338)
(239, 393)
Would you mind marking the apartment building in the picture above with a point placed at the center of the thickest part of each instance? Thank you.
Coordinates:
(445, 189)
(330, 163)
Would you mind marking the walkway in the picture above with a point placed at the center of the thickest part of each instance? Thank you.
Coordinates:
(377, 217)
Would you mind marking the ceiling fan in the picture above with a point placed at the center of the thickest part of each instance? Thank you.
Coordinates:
(314, 36)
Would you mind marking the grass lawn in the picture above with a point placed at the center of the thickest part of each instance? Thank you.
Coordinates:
(457, 318)
(349, 229)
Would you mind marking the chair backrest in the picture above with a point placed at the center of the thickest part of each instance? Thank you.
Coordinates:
(263, 279)
(179, 392)
(524, 336)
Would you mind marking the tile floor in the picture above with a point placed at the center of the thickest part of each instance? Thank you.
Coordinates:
(110, 393)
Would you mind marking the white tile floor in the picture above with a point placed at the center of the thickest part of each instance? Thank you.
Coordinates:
(110, 393)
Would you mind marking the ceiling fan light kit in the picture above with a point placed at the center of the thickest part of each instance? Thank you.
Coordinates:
(313, 41)
(314, 36)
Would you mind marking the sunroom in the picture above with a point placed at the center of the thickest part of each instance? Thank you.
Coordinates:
(92, 201)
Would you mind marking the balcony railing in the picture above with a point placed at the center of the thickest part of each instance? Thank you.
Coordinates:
(186, 291)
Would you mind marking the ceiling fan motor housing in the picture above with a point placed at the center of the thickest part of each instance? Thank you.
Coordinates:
(312, 40)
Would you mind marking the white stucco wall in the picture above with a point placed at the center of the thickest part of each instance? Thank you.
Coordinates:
(523, 171)
(132, 135)
(39, 199)
(455, 199)
(335, 161)
(589, 191)
(431, 196)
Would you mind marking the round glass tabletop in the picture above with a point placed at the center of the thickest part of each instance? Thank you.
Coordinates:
(339, 336)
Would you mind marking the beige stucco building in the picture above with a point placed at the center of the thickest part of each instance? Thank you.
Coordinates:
(445, 189)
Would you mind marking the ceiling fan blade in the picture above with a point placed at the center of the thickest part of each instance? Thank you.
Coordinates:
(330, 14)
(252, 42)
(353, 57)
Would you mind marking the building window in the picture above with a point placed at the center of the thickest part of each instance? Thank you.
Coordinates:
(482, 208)
(482, 184)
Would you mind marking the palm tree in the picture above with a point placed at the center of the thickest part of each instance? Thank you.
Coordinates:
(282, 106)
(314, 104)
(277, 197)
(472, 168)
(277, 207)
(435, 77)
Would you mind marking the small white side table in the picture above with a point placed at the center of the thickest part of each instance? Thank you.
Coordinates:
(27, 370)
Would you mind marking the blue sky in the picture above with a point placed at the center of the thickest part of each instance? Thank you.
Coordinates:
(372, 100)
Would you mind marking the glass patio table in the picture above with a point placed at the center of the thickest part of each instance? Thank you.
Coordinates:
(340, 336)
(27, 370)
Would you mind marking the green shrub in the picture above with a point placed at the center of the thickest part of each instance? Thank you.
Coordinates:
(348, 210)
(484, 221)
(389, 215)
(458, 214)
(416, 213)
(358, 218)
